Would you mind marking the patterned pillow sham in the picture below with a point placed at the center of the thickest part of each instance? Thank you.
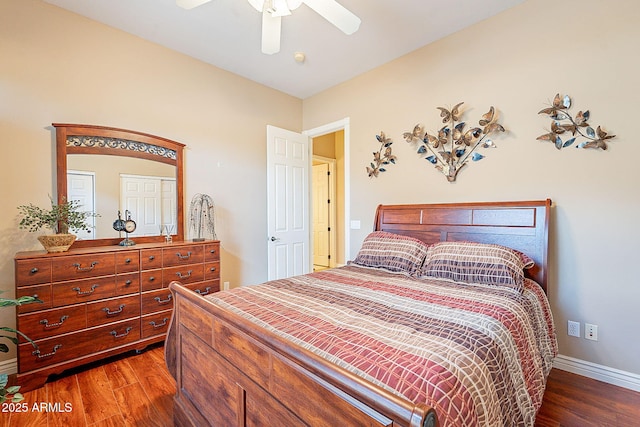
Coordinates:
(392, 252)
(471, 262)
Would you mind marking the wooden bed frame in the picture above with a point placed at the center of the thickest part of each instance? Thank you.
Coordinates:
(230, 372)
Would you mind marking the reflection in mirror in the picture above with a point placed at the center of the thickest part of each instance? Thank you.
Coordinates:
(115, 170)
(108, 184)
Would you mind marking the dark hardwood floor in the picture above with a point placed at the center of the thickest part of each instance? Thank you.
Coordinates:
(137, 391)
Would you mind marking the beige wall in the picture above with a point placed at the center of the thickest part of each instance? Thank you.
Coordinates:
(56, 66)
(517, 61)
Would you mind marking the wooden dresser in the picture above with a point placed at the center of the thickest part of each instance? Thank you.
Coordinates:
(101, 301)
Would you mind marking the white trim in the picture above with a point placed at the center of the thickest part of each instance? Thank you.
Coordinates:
(594, 371)
(343, 124)
(9, 366)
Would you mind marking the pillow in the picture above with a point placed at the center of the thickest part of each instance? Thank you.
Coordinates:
(471, 262)
(392, 252)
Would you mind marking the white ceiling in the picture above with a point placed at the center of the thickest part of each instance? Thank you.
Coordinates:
(226, 33)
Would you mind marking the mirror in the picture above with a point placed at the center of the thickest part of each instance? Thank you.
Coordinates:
(109, 165)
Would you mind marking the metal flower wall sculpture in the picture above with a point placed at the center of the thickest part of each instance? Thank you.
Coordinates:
(563, 123)
(453, 146)
(382, 157)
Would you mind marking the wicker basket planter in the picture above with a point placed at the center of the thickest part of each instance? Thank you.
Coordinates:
(57, 242)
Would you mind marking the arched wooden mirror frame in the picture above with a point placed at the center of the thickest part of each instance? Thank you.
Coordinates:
(91, 139)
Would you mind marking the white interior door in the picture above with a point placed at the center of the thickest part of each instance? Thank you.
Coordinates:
(81, 186)
(142, 196)
(288, 170)
(321, 217)
(168, 203)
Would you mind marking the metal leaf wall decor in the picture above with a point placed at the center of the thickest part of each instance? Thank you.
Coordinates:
(382, 157)
(563, 123)
(452, 147)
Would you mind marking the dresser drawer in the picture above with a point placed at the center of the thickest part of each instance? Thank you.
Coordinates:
(127, 283)
(184, 274)
(33, 271)
(155, 324)
(47, 323)
(127, 262)
(212, 270)
(205, 288)
(151, 279)
(182, 255)
(212, 252)
(82, 266)
(112, 310)
(150, 259)
(76, 291)
(77, 344)
(42, 292)
(156, 301)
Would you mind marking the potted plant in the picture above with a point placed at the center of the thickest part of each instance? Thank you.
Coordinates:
(10, 393)
(60, 219)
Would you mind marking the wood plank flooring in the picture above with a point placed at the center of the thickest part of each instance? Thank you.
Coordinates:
(137, 391)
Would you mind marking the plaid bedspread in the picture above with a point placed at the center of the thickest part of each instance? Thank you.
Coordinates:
(478, 355)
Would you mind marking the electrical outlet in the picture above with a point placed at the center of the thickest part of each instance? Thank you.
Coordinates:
(591, 331)
(225, 286)
(573, 328)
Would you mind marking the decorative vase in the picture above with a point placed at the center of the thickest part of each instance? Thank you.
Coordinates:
(57, 242)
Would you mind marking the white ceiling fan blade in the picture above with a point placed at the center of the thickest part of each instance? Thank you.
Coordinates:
(190, 4)
(335, 13)
(270, 33)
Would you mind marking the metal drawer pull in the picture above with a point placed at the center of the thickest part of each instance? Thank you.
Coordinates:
(152, 257)
(34, 270)
(80, 293)
(111, 313)
(80, 269)
(152, 278)
(205, 292)
(187, 256)
(42, 356)
(48, 325)
(127, 261)
(124, 334)
(212, 251)
(161, 301)
(212, 269)
(127, 283)
(186, 276)
(159, 325)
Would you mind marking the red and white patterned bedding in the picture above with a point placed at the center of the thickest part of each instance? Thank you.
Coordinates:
(479, 355)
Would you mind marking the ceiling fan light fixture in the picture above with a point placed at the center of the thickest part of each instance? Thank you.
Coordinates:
(277, 7)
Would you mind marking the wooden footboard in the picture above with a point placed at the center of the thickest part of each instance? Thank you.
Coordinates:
(230, 372)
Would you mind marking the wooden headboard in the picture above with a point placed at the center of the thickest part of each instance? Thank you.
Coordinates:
(519, 225)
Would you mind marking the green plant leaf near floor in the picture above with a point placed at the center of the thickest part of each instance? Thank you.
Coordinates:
(12, 393)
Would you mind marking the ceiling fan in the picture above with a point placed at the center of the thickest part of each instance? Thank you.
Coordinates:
(274, 10)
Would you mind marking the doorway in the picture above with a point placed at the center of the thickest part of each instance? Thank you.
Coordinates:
(328, 201)
(289, 201)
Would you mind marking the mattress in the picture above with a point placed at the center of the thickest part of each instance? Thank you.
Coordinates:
(479, 355)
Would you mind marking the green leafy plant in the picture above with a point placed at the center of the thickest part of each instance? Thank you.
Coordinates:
(11, 393)
(60, 218)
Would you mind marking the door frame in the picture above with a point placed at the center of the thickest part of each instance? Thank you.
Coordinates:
(343, 124)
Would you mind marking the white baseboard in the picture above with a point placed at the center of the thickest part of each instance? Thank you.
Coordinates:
(602, 373)
(9, 366)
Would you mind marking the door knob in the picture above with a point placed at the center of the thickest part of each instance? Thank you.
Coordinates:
(274, 238)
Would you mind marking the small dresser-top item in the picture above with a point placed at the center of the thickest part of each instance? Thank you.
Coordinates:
(102, 301)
